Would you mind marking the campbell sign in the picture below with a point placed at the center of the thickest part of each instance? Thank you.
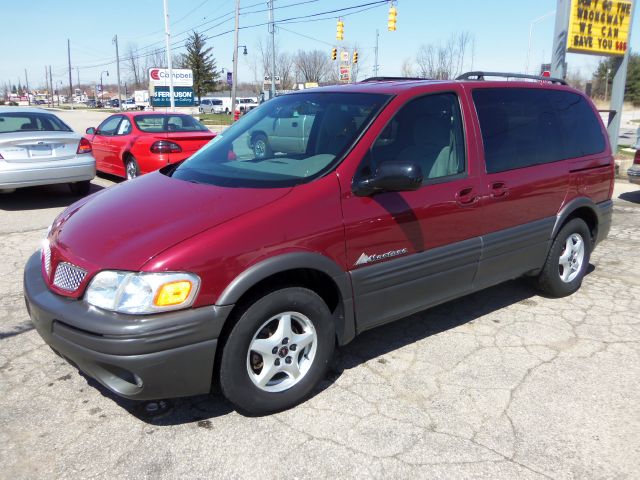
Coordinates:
(159, 77)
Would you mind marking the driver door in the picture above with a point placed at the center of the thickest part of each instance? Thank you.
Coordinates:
(102, 145)
(414, 249)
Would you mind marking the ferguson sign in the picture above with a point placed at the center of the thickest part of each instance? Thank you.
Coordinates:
(159, 77)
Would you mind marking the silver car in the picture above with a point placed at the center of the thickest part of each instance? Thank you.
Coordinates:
(37, 148)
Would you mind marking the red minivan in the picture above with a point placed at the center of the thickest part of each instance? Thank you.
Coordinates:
(251, 268)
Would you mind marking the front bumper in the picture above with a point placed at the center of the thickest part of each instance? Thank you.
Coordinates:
(142, 357)
(76, 169)
(634, 174)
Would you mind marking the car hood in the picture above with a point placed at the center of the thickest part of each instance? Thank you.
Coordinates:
(126, 225)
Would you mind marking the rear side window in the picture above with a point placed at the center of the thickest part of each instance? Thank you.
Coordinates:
(522, 127)
(168, 123)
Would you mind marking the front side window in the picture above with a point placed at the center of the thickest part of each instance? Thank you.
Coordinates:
(109, 126)
(286, 141)
(427, 132)
(125, 127)
(522, 127)
(31, 122)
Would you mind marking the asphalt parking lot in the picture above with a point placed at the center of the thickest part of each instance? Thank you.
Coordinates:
(500, 384)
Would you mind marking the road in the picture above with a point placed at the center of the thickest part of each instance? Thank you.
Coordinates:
(500, 384)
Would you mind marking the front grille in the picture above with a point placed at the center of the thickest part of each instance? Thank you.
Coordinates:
(68, 277)
(46, 257)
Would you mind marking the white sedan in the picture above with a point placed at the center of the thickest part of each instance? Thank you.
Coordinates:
(37, 148)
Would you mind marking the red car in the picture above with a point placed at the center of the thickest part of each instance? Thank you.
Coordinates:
(129, 144)
(368, 203)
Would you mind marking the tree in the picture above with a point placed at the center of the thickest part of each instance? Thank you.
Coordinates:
(632, 88)
(443, 61)
(200, 59)
(312, 66)
(133, 66)
(261, 64)
(406, 70)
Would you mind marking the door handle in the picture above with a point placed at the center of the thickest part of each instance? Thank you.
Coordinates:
(498, 190)
(294, 124)
(466, 197)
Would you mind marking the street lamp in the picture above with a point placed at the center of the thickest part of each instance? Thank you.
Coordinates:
(537, 20)
(102, 88)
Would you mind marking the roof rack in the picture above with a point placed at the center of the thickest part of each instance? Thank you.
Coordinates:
(481, 75)
(391, 79)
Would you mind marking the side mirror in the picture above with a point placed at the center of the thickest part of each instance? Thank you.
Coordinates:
(390, 177)
(90, 131)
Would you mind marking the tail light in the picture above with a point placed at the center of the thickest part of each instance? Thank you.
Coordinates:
(165, 146)
(84, 146)
(636, 159)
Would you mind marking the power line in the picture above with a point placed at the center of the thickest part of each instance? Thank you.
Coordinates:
(291, 20)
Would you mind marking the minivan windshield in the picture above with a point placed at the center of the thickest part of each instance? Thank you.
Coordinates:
(286, 141)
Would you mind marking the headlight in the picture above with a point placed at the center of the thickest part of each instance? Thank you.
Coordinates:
(139, 292)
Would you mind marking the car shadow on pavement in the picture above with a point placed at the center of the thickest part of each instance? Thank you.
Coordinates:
(38, 198)
(633, 197)
(371, 345)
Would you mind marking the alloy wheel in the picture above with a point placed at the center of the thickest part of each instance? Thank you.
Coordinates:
(282, 352)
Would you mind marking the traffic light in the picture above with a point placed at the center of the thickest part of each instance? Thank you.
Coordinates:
(340, 30)
(334, 53)
(355, 57)
(391, 24)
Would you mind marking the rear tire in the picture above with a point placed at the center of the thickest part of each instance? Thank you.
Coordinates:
(132, 170)
(278, 351)
(567, 260)
(80, 189)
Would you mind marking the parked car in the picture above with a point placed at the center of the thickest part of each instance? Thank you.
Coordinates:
(211, 105)
(114, 103)
(407, 195)
(37, 148)
(129, 104)
(634, 172)
(133, 143)
(246, 104)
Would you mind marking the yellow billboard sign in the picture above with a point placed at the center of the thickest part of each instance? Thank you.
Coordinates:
(599, 27)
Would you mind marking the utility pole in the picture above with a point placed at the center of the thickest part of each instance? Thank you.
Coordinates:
(234, 81)
(115, 40)
(51, 84)
(620, 65)
(375, 62)
(272, 30)
(168, 41)
(70, 82)
(78, 75)
(561, 30)
(26, 79)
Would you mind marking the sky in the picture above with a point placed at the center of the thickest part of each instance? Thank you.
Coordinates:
(34, 33)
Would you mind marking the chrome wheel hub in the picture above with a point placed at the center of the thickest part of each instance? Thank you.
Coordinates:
(131, 171)
(571, 258)
(282, 352)
(260, 149)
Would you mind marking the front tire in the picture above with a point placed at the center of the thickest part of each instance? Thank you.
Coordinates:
(278, 351)
(131, 167)
(261, 148)
(567, 261)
